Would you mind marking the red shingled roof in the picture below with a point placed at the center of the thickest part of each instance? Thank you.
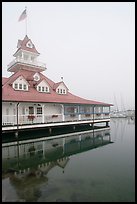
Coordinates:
(4, 80)
(9, 94)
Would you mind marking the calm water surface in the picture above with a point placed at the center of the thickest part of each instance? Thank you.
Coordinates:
(90, 167)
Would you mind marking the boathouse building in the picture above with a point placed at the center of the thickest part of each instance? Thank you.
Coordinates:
(29, 98)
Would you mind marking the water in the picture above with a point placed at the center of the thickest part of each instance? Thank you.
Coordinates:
(92, 167)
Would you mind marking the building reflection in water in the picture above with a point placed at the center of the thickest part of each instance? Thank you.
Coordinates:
(27, 165)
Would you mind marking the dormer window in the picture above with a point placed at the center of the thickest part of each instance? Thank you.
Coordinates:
(43, 89)
(60, 88)
(20, 84)
(61, 91)
(43, 86)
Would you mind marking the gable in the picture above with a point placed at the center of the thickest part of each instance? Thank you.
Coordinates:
(62, 86)
(22, 80)
(43, 86)
(43, 83)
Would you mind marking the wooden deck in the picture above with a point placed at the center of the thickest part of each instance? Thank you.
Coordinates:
(50, 125)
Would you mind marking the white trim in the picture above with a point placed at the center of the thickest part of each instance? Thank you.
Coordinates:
(55, 124)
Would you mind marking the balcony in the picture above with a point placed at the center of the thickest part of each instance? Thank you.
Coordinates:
(37, 64)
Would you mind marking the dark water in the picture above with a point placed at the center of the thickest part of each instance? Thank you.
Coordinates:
(90, 167)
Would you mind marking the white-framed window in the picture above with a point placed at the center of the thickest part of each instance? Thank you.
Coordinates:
(61, 91)
(15, 86)
(47, 89)
(31, 110)
(43, 89)
(39, 110)
(24, 86)
(19, 86)
(23, 110)
(36, 77)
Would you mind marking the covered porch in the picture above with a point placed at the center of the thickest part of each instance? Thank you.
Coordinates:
(45, 113)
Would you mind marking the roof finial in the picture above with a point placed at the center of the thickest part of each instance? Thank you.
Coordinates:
(62, 78)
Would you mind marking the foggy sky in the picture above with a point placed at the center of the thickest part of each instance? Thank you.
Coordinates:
(90, 44)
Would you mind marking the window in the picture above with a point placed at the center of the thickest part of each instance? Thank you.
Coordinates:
(39, 88)
(31, 110)
(85, 109)
(61, 91)
(23, 110)
(47, 90)
(39, 110)
(24, 86)
(16, 86)
(43, 89)
(20, 86)
(7, 111)
(36, 77)
(71, 109)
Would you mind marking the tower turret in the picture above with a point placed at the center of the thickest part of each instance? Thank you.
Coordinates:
(26, 57)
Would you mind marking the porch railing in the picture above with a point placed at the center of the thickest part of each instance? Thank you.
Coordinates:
(35, 119)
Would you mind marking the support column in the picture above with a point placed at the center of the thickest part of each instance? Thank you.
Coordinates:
(63, 117)
(22, 55)
(93, 116)
(63, 145)
(43, 147)
(79, 115)
(43, 113)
